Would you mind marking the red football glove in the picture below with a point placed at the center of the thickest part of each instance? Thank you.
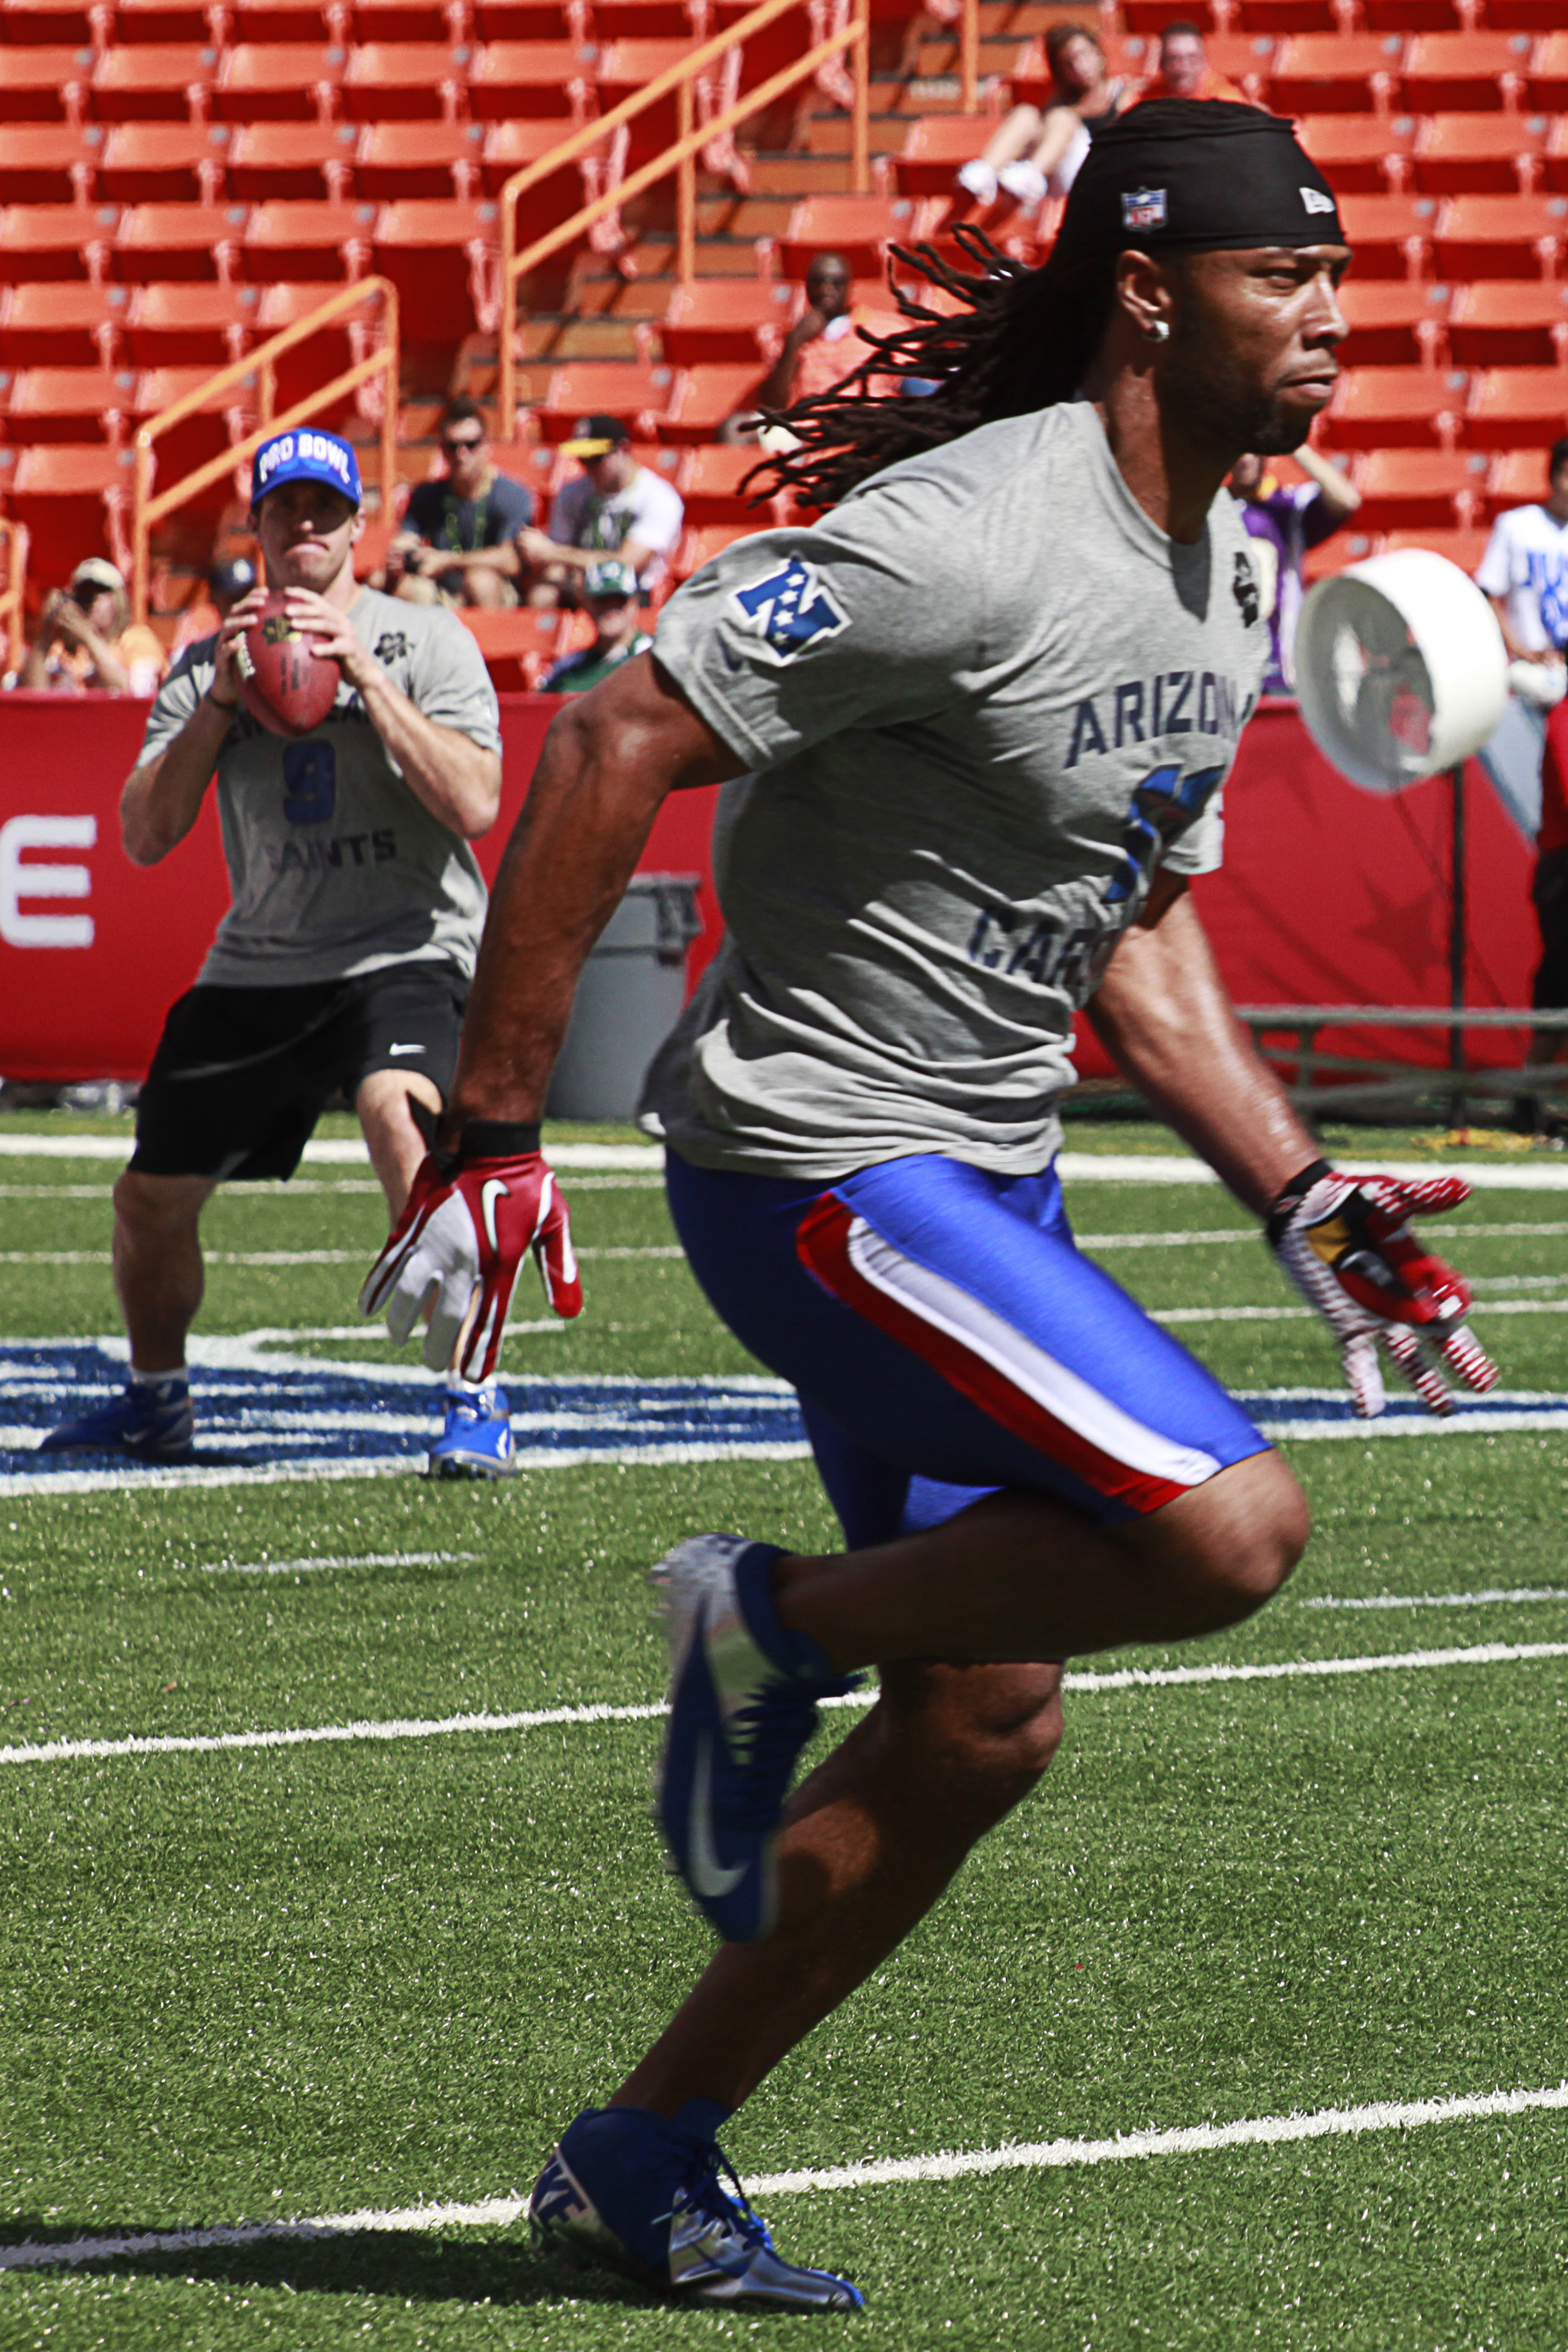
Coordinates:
(1346, 1243)
(468, 1223)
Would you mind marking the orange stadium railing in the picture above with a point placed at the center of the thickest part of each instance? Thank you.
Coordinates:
(680, 158)
(260, 367)
(13, 541)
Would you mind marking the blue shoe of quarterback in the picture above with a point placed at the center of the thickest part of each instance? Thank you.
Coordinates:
(633, 2193)
(743, 1705)
(153, 1420)
(476, 1440)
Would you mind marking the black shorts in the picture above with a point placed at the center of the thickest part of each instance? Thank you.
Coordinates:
(1550, 892)
(242, 1075)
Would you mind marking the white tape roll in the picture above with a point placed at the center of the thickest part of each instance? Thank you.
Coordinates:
(1401, 669)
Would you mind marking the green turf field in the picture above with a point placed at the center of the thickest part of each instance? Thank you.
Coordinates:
(250, 1984)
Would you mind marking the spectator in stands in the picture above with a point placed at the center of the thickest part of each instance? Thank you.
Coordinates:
(1032, 154)
(226, 584)
(613, 506)
(1524, 572)
(610, 594)
(1185, 68)
(458, 540)
(1283, 524)
(827, 341)
(86, 638)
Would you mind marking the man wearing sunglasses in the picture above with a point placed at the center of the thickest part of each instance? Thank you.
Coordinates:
(457, 544)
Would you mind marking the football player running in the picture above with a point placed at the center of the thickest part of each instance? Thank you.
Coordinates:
(974, 724)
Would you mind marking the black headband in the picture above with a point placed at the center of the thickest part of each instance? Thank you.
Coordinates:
(1200, 173)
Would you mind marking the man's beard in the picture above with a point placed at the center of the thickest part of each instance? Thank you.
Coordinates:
(1216, 402)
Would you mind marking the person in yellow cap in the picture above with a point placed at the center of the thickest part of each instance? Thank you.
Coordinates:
(613, 506)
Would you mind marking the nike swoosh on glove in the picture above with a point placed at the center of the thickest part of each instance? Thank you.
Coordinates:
(466, 1230)
(1347, 1244)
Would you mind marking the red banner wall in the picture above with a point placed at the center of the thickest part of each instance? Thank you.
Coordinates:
(1328, 894)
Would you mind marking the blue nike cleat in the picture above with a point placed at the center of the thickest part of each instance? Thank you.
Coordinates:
(153, 1420)
(476, 1440)
(633, 2193)
(743, 1705)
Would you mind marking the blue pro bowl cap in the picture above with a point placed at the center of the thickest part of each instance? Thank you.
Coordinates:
(306, 454)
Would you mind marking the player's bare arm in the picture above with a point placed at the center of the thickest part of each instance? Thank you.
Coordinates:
(609, 760)
(163, 798)
(458, 779)
(1162, 1013)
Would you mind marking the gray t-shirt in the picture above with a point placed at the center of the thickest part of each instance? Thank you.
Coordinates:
(984, 698)
(335, 866)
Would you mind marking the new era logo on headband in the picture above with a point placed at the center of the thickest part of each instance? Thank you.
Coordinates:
(1145, 208)
(1316, 202)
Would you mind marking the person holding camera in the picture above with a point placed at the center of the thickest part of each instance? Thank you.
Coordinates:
(86, 638)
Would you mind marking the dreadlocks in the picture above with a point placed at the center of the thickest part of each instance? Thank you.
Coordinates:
(1024, 341)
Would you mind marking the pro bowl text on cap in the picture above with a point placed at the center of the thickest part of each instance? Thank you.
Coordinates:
(610, 577)
(595, 437)
(305, 456)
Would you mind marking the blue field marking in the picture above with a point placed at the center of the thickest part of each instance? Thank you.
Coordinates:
(265, 1415)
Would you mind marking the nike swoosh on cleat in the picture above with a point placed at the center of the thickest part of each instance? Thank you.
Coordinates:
(406, 1049)
(491, 1191)
(709, 1878)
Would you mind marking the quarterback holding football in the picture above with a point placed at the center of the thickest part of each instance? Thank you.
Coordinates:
(355, 746)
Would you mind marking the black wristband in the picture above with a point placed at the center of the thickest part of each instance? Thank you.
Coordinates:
(1290, 1198)
(498, 1139)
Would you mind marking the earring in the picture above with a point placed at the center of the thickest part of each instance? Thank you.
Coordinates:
(1157, 332)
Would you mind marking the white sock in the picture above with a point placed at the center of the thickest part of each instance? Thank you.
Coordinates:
(147, 1379)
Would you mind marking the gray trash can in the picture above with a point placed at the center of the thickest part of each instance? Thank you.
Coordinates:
(628, 998)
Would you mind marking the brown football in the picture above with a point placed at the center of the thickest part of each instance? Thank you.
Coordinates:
(283, 681)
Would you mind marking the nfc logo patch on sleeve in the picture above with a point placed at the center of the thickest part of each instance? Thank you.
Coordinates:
(790, 609)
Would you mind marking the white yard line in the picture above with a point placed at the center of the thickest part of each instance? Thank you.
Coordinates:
(313, 1256)
(1309, 1315)
(1439, 1600)
(1037, 2156)
(56, 1751)
(320, 1560)
(342, 1152)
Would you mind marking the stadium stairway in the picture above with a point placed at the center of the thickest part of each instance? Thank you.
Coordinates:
(179, 177)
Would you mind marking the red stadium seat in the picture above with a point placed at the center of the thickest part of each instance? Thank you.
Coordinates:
(516, 646)
(279, 81)
(405, 81)
(260, 23)
(1510, 405)
(178, 241)
(1519, 478)
(1390, 235)
(45, 85)
(1337, 555)
(56, 241)
(1424, 16)
(301, 160)
(1276, 17)
(726, 319)
(1460, 70)
(59, 24)
(1464, 547)
(48, 163)
(532, 20)
(530, 78)
(165, 82)
(70, 404)
(1481, 154)
(1327, 73)
(696, 547)
(1407, 489)
(222, 419)
(65, 494)
(1500, 236)
(165, 21)
(1548, 73)
(934, 146)
(294, 238)
(166, 163)
(411, 20)
(701, 397)
(858, 227)
(62, 322)
(1360, 154)
(509, 146)
(681, 20)
(189, 325)
(710, 487)
(1398, 407)
(1393, 322)
(1510, 322)
(419, 159)
(440, 252)
(637, 389)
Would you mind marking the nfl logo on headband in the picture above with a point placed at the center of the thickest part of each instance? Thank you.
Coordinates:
(1143, 208)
